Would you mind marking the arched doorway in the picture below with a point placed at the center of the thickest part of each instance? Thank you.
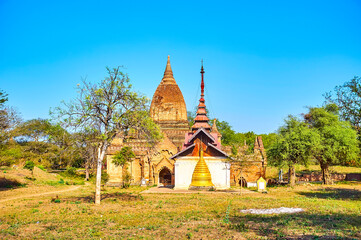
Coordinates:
(242, 182)
(165, 177)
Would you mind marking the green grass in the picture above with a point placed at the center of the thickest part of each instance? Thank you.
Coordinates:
(272, 172)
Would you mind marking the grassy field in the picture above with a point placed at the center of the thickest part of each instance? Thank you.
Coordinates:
(331, 212)
(272, 172)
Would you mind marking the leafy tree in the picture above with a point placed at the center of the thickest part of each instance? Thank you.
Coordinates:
(108, 108)
(10, 153)
(3, 98)
(46, 143)
(36, 130)
(228, 134)
(348, 99)
(29, 165)
(122, 158)
(337, 144)
(269, 139)
(9, 119)
(293, 146)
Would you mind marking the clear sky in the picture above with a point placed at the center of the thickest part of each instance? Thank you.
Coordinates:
(263, 59)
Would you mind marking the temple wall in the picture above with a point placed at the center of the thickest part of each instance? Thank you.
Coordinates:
(114, 172)
(183, 170)
(220, 172)
(135, 170)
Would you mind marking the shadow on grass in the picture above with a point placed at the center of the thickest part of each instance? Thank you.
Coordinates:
(334, 193)
(281, 226)
(6, 184)
(107, 196)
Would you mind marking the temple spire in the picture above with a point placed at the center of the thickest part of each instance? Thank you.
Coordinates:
(201, 119)
(168, 74)
(215, 130)
(202, 83)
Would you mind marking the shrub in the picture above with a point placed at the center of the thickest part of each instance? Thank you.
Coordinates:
(126, 180)
(105, 177)
(6, 161)
(70, 171)
(41, 167)
(29, 165)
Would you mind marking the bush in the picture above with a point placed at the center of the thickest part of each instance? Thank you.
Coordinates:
(10, 155)
(71, 171)
(41, 167)
(29, 165)
(6, 161)
(105, 177)
(126, 180)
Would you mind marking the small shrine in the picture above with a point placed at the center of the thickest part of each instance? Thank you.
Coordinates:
(201, 164)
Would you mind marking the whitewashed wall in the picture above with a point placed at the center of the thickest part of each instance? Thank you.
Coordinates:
(219, 169)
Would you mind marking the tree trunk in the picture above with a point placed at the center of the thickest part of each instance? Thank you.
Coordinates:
(291, 176)
(326, 177)
(101, 153)
(87, 170)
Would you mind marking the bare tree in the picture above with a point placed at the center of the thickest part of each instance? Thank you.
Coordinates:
(107, 108)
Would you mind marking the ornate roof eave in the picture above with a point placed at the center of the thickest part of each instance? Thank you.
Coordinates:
(218, 150)
(177, 154)
(204, 131)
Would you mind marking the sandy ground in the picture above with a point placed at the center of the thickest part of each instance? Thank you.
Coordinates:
(73, 188)
(170, 190)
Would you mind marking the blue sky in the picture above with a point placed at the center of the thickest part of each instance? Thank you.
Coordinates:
(263, 59)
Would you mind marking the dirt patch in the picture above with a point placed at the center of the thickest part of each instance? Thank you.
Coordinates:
(107, 196)
(40, 194)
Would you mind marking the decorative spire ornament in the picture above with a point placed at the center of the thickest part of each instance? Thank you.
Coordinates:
(201, 119)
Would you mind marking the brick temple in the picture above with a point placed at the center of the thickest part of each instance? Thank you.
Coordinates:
(155, 165)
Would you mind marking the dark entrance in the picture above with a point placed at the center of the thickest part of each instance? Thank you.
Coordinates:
(165, 177)
(242, 182)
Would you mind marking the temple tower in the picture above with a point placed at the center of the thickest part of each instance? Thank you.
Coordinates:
(168, 108)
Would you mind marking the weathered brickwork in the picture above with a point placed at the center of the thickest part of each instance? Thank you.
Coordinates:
(154, 163)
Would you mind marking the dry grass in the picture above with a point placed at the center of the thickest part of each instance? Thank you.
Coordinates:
(332, 212)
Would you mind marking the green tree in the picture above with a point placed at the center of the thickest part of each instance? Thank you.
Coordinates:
(228, 134)
(337, 144)
(293, 145)
(36, 130)
(46, 143)
(122, 158)
(108, 108)
(348, 99)
(29, 165)
(3, 97)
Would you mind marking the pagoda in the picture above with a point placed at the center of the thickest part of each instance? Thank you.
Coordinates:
(201, 164)
(152, 164)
